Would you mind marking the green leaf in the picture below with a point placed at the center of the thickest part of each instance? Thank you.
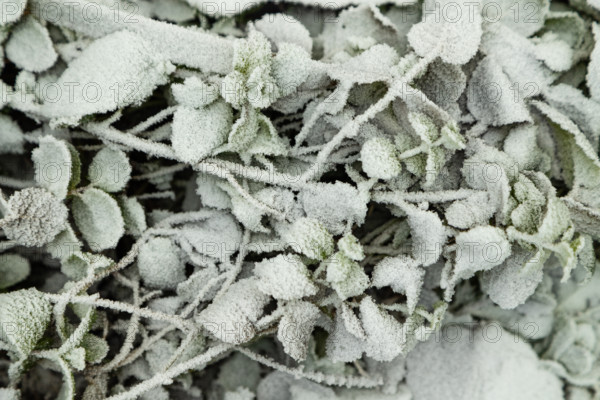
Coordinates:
(133, 215)
(54, 166)
(110, 170)
(13, 269)
(24, 316)
(346, 276)
(98, 217)
(309, 237)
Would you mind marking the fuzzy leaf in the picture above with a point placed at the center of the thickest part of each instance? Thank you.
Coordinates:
(98, 217)
(35, 217)
(54, 166)
(309, 237)
(133, 215)
(13, 269)
(24, 316)
(30, 46)
(454, 37)
(404, 276)
(281, 28)
(110, 170)
(160, 263)
(346, 276)
(379, 159)
(284, 277)
(295, 328)
(197, 132)
(117, 70)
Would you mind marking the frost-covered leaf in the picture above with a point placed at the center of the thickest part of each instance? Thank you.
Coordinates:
(379, 159)
(56, 166)
(12, 139)
(197, 132)
(309, 237)
(521, 16)
(35, 217)
(79, 264)
(231, 317)
(11, 11)
(454, 37)
(593, 74)
(373, 65)
(321, 202)
(10, 394)
(13, 269)
(24, 316)
(110, 170)
(98, 217)
(76, 358)
(217, 237)
(284, 277)
(30, 46)
(133, 215)
(282, 28)
(403, 275)
(295, 328)
(194, 92)
(428, 235)
(244, 130)
(351, 247)
(580, 162)
(291, 67)
(64, 244)
(240, 393)
(478, 364)
(341, 344)
(480, 249)
(383, 331)
(211, 194)
(160, 263)
(474, 210)
(346, 276)
(490, 97)
(513, 282)
(118, 70)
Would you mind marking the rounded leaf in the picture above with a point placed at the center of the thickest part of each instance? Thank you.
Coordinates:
(99, 219)
(110, 170)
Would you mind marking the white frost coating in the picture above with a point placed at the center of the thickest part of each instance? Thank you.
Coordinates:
(281, 28)
(494, 104)
(382, 330)
(113, 72)
(194, 92)
(53, 166)
(98, 217)
(284, 277)
(11, 11)
(24, 316)
(30, 46)
(35, 217)
(485, 364)
(133, 215)
(160, 263)
(309, 237)
(231, 317)
(512, 283)
(197, 132)
(110, 170)
(480, 249)
(295, 328)
(403, 275)
(428, 235)
(322, 202)
(454, 37)
(380, 159)
(593, 74)
(291, 67)
(474, 210)
(346, 276)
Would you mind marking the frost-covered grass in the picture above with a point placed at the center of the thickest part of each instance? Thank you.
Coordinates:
(300, 200)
